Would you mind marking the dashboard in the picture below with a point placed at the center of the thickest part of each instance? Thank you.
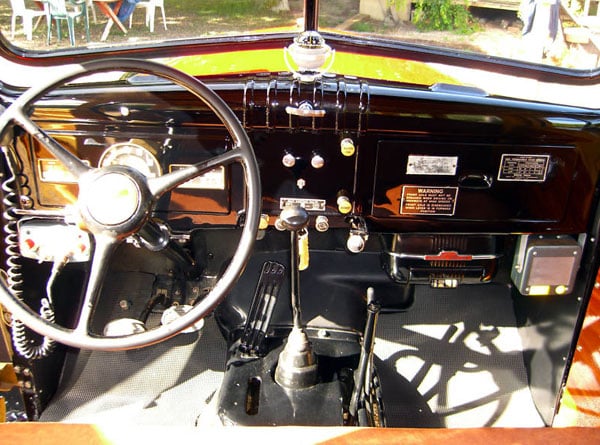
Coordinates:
(401, 159)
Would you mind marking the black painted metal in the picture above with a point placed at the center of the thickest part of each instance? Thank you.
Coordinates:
(323, 404)
(311, 15)
(391, 122)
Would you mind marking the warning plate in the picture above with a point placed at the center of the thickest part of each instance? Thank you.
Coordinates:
(418, 200)
(529, 168)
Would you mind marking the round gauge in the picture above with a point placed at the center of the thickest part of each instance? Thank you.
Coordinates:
(131, 155)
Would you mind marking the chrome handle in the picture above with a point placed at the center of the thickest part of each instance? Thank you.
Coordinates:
(304, 110)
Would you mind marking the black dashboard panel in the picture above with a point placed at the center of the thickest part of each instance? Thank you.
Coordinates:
(320, 172)
(419, 160)
(490, 182)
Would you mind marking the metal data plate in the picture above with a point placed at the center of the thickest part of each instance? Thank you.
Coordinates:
(523, 168)
(307, 204)
(431, 165)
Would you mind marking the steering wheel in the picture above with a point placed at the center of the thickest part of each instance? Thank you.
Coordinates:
(115, 202)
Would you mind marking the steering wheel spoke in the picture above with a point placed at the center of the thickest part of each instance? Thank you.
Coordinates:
(103, 249)
(72, 163)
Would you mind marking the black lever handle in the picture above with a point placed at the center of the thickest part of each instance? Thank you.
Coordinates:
(475, 181)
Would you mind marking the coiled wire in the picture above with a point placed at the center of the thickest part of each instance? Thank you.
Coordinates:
(13, 187)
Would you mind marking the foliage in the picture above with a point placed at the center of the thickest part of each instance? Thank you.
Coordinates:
(363, 26)
(441, 15)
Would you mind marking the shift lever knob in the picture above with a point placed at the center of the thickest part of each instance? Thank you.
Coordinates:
(294, 218)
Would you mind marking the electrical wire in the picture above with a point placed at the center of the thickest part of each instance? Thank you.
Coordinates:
(12, 189)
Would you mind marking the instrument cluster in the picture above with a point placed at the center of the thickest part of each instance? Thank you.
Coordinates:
(150, 155)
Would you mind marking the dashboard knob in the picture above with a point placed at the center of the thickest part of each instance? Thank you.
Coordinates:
(264, 221)
(288, 160)
(322, 223)
(344, 204)
(317, 161)
(294, 218)
(347, 147)
(355, 243)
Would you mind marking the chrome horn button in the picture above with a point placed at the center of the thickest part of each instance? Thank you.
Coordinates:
(112, 199)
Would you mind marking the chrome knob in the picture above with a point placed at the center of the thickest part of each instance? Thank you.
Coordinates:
(355, 243)
(317, 161)
(322, 223)
(288, 160)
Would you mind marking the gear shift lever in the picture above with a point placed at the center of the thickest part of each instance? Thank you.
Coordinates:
(297, 365)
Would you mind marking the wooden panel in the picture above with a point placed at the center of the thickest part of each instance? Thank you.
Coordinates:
(59, 434)
(580, 403)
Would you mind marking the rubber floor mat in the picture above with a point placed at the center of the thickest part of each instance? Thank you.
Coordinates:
(453, 360)
(165, 384)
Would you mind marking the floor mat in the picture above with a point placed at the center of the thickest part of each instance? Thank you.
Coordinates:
(166, 384)
(453, 360)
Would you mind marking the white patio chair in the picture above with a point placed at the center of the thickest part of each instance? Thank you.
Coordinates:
(68, 10)
(20, 10)
(151, 6)
(90, 6)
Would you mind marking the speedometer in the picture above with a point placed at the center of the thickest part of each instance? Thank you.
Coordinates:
(131, 154)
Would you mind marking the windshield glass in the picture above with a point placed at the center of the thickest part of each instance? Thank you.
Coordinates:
(547, 31)
(557, 33)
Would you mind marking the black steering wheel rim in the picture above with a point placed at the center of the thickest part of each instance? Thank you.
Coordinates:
(16, 114)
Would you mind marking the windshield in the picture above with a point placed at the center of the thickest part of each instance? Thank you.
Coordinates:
(544, 33)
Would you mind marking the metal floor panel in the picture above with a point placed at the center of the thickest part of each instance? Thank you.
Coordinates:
(454, 360)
